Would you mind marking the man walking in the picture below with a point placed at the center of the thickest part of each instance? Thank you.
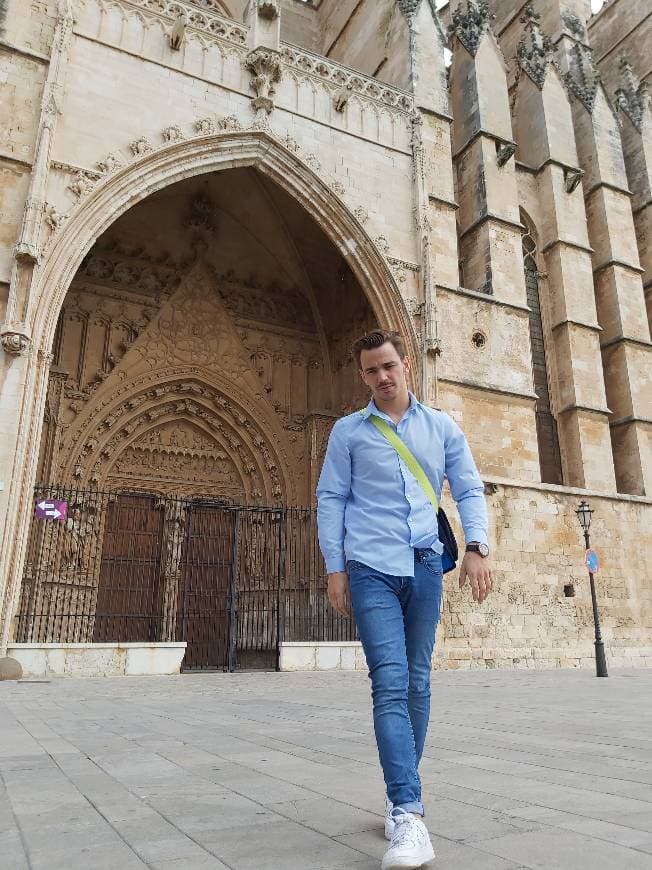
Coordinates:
(378, 535)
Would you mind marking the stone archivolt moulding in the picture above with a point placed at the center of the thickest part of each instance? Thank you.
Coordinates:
(86, 181)
(119, 424)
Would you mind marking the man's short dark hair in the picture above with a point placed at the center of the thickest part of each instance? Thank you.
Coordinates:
(377, 338)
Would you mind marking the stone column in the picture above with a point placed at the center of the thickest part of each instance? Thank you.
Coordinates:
(14, 331)
(264, 60)
(546, 143)
(633, 101)
(434, 198)
(625, 339)
(489, 329)
(24, 368)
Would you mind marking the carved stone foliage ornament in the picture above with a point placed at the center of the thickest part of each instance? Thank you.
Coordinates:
(109, 164)
(174, 133)
(470, 24)
(634, 96)
(535, 51)
(573, 24)
(583, 77)
(141, 146)
(265, 67)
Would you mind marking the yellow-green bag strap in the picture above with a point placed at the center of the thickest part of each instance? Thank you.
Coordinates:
(408, 457)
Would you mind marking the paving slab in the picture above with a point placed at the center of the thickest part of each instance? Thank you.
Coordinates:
(545, 770)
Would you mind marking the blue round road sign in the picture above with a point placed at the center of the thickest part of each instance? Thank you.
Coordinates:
(592, 561)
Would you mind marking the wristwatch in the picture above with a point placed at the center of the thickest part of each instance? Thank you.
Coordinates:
(476, 547)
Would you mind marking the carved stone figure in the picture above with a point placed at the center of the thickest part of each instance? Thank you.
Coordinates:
(504, 152)
(178, 31)
(81, 184)
(53, 217)
(14, 343)
(268, 9)
(342, 96)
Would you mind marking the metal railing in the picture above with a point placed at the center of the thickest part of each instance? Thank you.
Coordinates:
(233, 582)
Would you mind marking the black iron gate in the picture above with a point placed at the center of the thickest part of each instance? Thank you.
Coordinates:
(232, 582)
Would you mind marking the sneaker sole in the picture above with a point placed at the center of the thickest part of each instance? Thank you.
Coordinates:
(390, 824)
(409, 863)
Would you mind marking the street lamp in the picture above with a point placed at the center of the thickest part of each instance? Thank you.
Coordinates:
(584, 514)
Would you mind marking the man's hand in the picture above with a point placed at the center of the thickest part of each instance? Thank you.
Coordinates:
(338, 592)
(477, 570)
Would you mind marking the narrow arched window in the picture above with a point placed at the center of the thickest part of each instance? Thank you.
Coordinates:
(547, 437)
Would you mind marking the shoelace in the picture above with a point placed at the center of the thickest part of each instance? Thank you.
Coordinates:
(405, 832)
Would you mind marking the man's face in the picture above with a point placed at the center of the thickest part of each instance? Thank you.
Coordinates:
(384, 372)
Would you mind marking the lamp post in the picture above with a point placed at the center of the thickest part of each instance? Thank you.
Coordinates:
(584, 514)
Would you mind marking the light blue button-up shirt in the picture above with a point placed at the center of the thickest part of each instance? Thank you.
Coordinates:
(370, 506)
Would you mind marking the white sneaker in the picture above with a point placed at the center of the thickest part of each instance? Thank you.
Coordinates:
(390, 824)
(410, 847)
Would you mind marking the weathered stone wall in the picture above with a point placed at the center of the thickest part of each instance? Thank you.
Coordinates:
(528, 621)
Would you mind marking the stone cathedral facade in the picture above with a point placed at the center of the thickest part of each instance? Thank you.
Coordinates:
(204, 202)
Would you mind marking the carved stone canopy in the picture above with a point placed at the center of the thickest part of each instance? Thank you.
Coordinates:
(535, 51)
(470, 24)
(634, 96)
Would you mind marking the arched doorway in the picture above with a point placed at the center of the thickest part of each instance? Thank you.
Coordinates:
(201, 353)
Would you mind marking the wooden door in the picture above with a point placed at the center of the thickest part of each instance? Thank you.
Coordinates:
(129, 602)
(206, 584)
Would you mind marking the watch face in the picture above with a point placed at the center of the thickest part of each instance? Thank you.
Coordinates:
(483, 549)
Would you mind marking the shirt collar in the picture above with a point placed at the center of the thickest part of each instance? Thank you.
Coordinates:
(372, 409)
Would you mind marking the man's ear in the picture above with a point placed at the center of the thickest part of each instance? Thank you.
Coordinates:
(407, 365)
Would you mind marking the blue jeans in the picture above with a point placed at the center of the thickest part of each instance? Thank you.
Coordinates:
(397, 619)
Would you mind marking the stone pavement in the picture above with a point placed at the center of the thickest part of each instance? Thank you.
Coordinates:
(265, 771)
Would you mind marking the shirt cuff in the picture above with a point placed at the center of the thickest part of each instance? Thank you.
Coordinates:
(335, 564)
(476, 534)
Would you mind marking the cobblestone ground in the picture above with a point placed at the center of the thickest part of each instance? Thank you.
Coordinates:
(258, 771)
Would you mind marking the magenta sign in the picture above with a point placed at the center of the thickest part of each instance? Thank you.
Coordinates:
(50, 509)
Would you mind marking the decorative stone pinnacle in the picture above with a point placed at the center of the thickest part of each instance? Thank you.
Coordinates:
(582, 76)
(409, 8)
(633, 97)
(534, 52)
(470, 26)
